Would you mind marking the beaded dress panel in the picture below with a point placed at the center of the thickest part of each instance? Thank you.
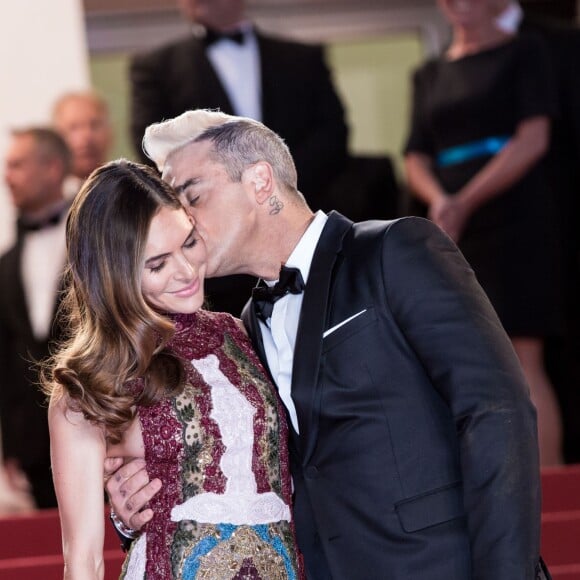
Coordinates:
(220, 449)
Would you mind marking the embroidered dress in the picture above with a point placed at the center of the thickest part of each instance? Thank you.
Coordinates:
(220, 449)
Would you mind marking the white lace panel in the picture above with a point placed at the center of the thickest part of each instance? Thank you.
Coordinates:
(241, 503)
(135, 569)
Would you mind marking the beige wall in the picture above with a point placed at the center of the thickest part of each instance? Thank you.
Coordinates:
(43, 53)
(109, 75)
(373, 78)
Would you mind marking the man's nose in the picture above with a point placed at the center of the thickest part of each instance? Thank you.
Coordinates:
(191, 211)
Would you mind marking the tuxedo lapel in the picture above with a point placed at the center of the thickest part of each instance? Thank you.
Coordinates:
(207, 89)
(269, 75)
(252, 325)
(313, 317)
(14, 290)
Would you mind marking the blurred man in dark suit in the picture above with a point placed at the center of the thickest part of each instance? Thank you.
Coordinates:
(82, 118)
(227, 63)
(37, 163)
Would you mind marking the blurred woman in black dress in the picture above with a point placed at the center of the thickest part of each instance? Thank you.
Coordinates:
(480, 127)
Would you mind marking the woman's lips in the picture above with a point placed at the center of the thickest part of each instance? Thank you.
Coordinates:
(189, 290)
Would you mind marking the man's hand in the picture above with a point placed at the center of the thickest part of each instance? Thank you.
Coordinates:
(129, 490)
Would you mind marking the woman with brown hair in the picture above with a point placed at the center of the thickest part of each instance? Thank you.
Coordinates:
(147, 373)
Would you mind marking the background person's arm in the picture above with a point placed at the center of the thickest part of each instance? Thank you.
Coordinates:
(520, 154)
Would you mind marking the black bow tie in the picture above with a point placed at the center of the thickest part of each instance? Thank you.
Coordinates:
(263, 297)
(53, 220)
(212, 36)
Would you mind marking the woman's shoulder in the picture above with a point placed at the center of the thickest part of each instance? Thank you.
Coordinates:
(426, 68)
(425, 74)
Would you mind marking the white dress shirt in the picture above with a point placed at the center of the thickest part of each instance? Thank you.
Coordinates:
(71, 186)
(279, 335)
(238, 68)
(42, 264)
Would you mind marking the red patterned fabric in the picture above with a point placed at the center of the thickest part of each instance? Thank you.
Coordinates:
(184, 449)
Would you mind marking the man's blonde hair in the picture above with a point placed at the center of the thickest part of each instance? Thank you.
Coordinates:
(237, 143)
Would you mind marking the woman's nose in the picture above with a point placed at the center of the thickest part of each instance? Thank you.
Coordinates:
(185, 270)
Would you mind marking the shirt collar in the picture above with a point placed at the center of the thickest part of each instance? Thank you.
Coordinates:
(245, 26)
(301, 256)
(509, 20)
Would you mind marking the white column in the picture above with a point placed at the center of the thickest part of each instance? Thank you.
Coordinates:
(43, 53)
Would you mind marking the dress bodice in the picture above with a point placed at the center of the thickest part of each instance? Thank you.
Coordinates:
(220, 449)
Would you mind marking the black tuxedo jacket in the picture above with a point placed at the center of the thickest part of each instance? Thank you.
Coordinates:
(299, 101)
(23, 413)
(417, 455)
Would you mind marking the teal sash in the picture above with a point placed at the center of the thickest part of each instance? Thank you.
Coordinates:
(461, 153)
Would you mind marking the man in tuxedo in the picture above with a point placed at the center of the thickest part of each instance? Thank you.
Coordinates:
(226, 63)
(36, 165)
(82, 118)
(413, 448)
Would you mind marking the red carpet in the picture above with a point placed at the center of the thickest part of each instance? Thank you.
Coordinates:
(30, 546)
(561, 521)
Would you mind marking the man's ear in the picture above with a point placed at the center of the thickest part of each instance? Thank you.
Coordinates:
(260, 178)
(56, 169)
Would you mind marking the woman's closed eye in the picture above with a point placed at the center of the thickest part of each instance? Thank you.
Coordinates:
(156, 267)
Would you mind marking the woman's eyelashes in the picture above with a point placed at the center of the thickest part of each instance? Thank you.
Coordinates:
(158, 267)
(189, 243)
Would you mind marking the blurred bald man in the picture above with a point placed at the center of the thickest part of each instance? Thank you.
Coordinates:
(82, 118)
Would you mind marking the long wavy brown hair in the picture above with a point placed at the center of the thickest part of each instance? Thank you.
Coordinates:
(114, 336)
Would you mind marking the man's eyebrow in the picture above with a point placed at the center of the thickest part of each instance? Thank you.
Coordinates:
(179, 189)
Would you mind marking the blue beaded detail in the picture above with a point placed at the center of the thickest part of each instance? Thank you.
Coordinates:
(205, 546)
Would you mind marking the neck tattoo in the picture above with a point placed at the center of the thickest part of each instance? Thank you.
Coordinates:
(275, 205)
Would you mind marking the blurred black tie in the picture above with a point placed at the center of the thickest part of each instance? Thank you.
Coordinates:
(53, 220)
(264, 297)
(212, 36)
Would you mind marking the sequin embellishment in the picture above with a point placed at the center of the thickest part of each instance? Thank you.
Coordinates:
(240, 503)
(220, 450)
